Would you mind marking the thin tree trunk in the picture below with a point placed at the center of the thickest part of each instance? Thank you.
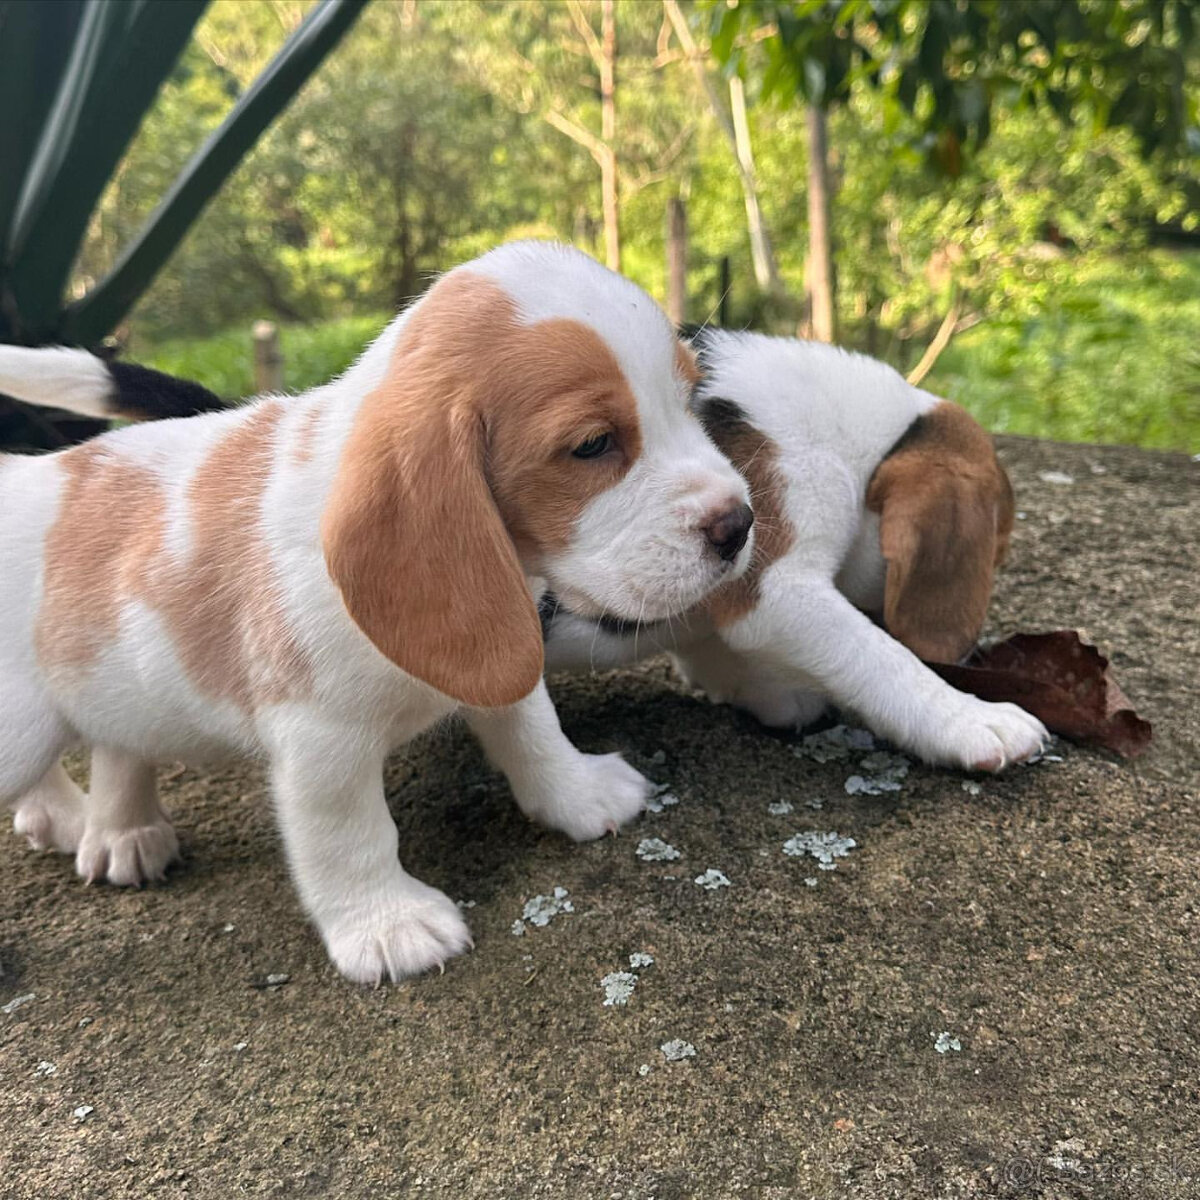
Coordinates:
(765, 270)
(941, 340)
(766, 273)
(609, 182)
(405, 284)
(677, 253)
(585, 230)
(820, 246)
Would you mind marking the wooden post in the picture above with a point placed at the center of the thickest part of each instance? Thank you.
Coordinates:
(677, 252)
(268, 359)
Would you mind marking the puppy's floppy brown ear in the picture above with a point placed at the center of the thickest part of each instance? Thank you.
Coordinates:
(414, 542)
(945, 514)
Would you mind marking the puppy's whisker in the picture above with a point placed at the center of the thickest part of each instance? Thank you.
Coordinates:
(596, 631)
(712, 312)
(763, 445)
(638, 627)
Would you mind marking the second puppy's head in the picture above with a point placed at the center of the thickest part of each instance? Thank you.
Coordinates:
(530, 419)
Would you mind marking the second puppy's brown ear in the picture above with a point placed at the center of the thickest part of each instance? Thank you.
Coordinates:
(945, 514)
(411, 534)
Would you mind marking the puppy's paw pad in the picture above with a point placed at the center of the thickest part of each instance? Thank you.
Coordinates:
(127, 857)
(49, 824)
(602, 793)
(411, 932)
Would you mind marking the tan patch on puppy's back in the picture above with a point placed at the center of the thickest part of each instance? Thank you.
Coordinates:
(305, 435)
(97, 552)
(946, 515)
(225, 608)
(221, 604)
(756, 457)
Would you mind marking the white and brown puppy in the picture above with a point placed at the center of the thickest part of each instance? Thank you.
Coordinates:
(315, 580)
(874, 499)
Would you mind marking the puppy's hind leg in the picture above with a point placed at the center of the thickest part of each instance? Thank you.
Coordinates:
(127, 838)
(51, 814)
(32, 737)
(780, 707)
(729, 678)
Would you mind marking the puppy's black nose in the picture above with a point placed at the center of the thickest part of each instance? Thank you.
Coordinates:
(727, 534)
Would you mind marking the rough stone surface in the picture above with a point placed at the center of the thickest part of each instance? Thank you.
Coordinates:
(1050, 922)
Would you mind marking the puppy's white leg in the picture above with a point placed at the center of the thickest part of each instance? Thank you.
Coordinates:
(32, 736)
(727, 678)
(45, 800)
(780, 707)
(582, 795)
(51, 815)
(127, 838)
(376, 920)
(805, 622)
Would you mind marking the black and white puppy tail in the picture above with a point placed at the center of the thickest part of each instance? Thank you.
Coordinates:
(59, 377)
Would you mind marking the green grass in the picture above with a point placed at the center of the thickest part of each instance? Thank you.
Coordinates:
(1105, 350)
(312, 354)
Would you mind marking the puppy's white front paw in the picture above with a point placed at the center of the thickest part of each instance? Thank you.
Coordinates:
(594, 795)
(127, 857)
(980, 736)
(407, 929)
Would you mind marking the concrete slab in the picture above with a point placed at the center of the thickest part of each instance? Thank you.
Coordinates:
(1047, 923)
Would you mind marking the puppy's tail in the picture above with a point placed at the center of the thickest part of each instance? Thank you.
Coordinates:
(58, 377)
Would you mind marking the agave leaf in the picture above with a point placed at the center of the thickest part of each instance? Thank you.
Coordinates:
(120, 55)
(89, 319)
(35, 42)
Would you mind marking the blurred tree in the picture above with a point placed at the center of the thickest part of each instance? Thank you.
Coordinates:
(328, 217)
(734, 123)
(530, 55)
(949, 63)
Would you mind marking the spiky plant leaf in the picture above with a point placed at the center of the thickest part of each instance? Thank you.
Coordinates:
(120, 55)
(90, 318)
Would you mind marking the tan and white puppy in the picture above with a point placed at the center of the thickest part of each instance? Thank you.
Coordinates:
(314, 580)
(873, 499)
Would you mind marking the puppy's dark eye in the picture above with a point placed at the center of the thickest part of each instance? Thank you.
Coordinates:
(594, 446)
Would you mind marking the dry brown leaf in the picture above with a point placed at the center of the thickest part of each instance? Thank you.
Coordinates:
(1063, 680)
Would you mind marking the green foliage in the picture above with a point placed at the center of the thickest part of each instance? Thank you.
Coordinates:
(950, 64)
(1036, 192)
(95, 314)
(1054, 127)
(224, 362)
(427, 137)
(1104, 350)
